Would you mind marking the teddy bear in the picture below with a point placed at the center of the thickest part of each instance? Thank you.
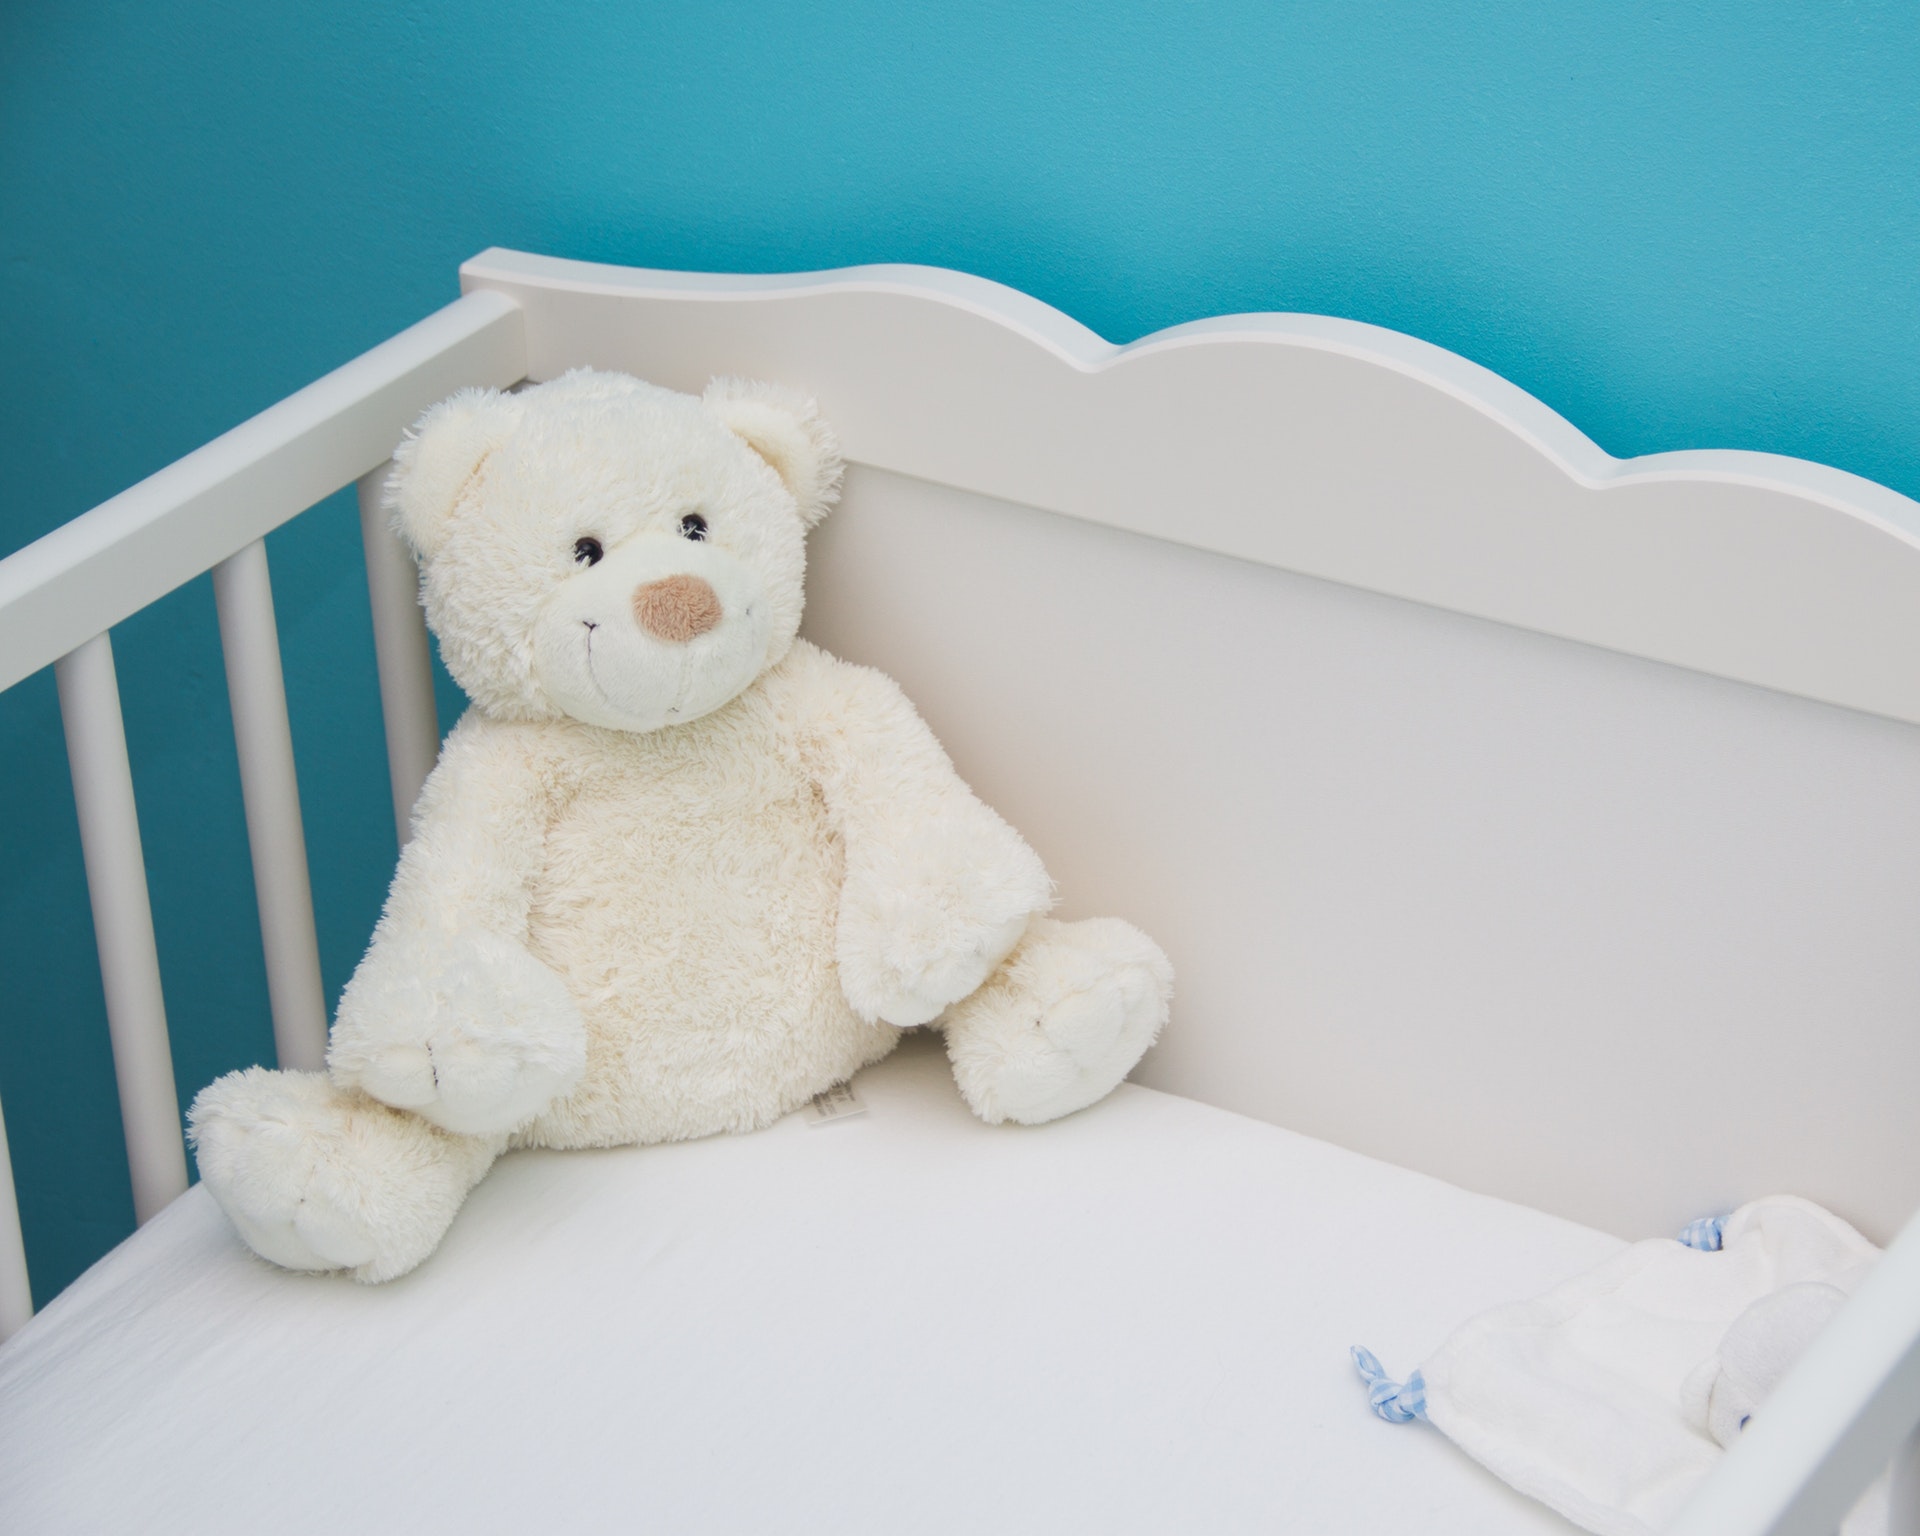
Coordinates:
(677, 871)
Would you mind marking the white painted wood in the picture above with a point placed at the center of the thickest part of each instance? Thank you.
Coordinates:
(1903, 1503)
(1903, 1492)
(122, 923)
(1609, 938)
(404, 652)
(16, 1294)
(243, 592)
(85, 577)
(1847, 1406)
(1317, 445)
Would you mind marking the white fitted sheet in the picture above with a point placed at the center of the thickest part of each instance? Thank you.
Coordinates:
(1135, 1319)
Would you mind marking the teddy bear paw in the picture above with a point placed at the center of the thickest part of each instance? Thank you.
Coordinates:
(319, 1179)
(1062, 1022)
(913, 969)
(923, 926)
(475, 1035)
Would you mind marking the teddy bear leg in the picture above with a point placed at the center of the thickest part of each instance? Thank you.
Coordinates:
(314, 1176)
(1061, 1022)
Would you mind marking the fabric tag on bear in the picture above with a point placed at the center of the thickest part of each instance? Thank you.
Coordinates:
(839, 1102)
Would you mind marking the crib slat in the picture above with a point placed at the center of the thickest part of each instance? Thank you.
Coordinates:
(122, 923)
(16, 1296)
(405, 654)
(256, 686)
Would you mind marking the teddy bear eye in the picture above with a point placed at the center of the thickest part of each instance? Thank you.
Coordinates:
(587, 552)
(693, 526)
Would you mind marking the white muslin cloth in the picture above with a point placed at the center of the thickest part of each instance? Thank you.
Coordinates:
(1609, 1397)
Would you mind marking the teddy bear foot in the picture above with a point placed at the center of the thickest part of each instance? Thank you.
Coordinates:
(1058, 1026)
(314, 1177)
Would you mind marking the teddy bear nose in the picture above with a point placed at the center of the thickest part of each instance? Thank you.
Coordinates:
(676, 607)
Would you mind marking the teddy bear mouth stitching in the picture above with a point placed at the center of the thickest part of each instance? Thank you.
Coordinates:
(679, 696)
(592, 676)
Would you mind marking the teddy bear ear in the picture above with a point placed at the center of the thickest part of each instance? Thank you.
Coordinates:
(784, 428)
(438, 459)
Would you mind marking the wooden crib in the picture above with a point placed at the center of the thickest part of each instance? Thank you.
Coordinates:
(1540, 821)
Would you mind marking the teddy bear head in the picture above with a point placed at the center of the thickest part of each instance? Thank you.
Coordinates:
(603, 549)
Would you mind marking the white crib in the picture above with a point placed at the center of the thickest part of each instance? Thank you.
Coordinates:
(1546, 823)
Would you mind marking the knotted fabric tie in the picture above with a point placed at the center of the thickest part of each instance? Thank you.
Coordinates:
(1395, 1403)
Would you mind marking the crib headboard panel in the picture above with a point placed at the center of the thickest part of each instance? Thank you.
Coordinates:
(1617, 939)
(1600, 935)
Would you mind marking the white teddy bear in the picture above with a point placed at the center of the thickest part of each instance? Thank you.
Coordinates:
(677, 871)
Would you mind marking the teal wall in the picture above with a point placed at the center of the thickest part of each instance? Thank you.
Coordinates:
(1681, 226)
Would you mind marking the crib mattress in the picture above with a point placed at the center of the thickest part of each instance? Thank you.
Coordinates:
(1135, 1319)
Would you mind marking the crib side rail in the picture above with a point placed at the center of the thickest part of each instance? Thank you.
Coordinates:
(210, 511)
(86, 576)
(1850, 1404)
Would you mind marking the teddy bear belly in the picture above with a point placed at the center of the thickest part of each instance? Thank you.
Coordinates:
(701, 953)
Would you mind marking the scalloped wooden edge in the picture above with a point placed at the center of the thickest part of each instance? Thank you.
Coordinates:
(1318, 445)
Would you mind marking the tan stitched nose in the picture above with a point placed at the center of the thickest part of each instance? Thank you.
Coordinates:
(676, 607)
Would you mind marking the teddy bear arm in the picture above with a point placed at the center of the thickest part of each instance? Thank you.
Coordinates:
(449, 1014)
(479, 832)
(938, 888)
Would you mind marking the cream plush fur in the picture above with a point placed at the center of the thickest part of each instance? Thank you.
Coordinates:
(677, 871)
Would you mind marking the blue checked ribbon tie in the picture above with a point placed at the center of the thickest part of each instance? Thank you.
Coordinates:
(1394, 1402)
(1704, 1234)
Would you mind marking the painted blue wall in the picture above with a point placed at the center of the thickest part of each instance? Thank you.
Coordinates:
(1682, 226)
